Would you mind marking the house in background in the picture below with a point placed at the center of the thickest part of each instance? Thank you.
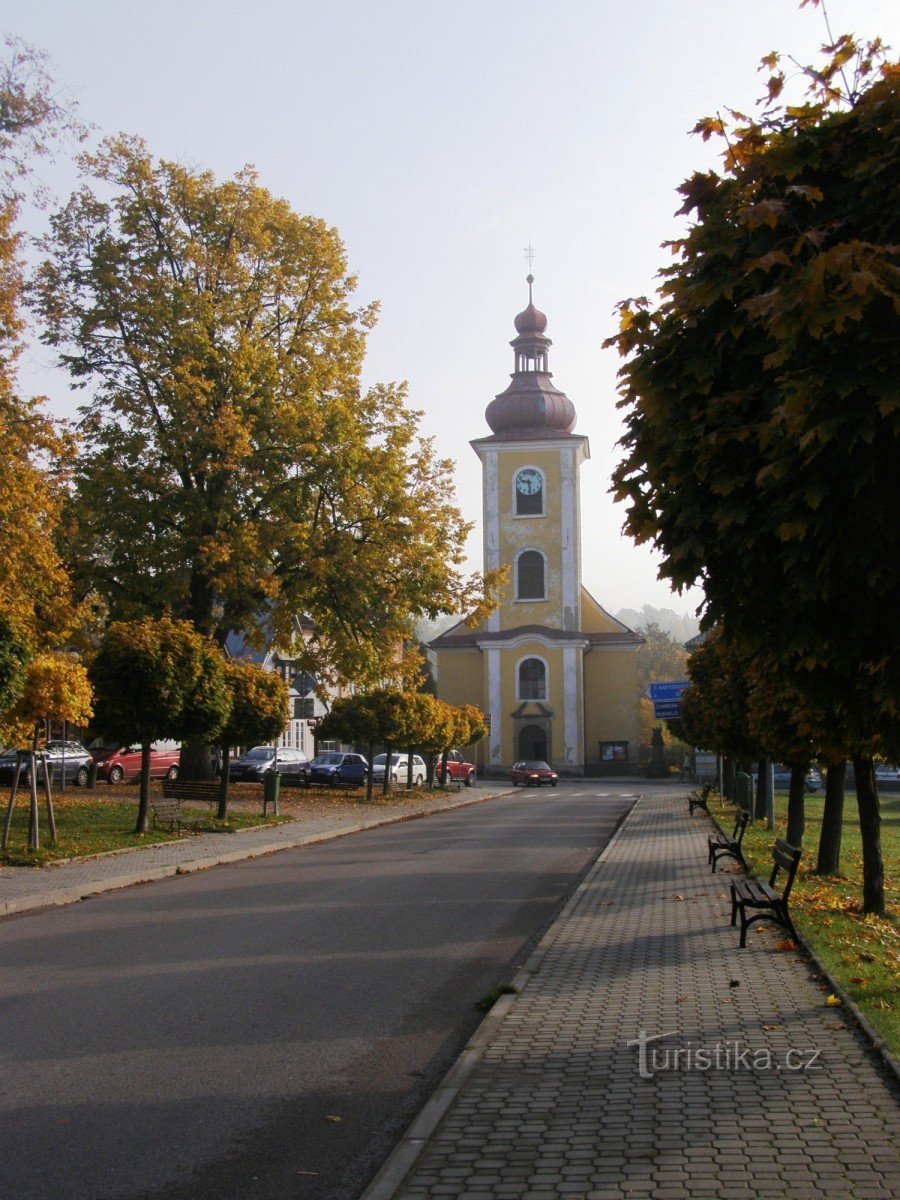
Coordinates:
(307, 704)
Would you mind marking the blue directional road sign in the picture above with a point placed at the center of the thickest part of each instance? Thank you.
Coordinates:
(668, 690)
(666, 697)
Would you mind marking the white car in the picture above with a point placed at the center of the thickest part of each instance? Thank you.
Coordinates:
(399, 768)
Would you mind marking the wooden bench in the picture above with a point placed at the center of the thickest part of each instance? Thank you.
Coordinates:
(725, 845)
(180, 791)
(765, 903)
(167, 813)
(698, 799)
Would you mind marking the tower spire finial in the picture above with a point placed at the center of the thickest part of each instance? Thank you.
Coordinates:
(529, 258)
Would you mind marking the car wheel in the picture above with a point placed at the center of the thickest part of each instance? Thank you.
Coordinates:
(364, 779)
(81, 777)
(116, 775)
(470, 779)
(393, 777)
(172, 774)
(553, 785)
(418, 781)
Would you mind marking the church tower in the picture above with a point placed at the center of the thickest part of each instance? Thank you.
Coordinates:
(555, 672)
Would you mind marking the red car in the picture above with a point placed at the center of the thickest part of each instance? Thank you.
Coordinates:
(458, 769)
(533, 773)
(116, 764)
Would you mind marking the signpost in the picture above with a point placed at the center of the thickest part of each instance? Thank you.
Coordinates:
(666, 697)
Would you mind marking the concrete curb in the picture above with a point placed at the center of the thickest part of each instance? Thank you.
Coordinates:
(401, 1161)
(70, 894)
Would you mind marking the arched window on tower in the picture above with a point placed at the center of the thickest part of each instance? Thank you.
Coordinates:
(532, 679)
(531, 576)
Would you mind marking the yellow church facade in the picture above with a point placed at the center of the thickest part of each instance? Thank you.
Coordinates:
(555, 673)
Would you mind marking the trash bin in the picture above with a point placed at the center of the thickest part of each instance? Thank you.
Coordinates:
(271, 788)
(743, 786)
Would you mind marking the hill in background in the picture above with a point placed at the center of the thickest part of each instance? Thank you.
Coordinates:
(680, 626)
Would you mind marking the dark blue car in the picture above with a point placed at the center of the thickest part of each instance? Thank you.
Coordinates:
(336, 766)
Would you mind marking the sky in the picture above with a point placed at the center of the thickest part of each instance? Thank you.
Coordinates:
(441, 141)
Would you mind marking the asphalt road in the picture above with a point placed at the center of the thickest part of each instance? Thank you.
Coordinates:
(268, 1029)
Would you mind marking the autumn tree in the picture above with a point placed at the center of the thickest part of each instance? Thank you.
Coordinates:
(35, 597)
(774, 353)
(259, 709)
(55, 685)
(158, 679)
(251, 476)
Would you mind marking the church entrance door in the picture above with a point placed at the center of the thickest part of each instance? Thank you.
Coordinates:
(533, 742)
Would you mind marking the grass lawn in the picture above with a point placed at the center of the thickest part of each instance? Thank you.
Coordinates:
(103, 820)
(861, 952)
(95, 822)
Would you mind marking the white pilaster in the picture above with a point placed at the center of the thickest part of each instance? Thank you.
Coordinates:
(495, 741)
(571, 724)
(571, 584)
(492, 525)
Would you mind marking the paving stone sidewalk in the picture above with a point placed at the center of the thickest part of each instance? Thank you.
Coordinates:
(23, 888)
(556, 1104)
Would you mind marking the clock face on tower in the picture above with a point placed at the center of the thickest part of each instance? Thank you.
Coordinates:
(528, 482)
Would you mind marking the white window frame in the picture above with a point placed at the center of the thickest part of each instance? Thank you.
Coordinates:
(530, 599)
(517, 516)
(527, 658)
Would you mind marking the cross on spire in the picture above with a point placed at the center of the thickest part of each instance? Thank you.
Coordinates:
(529, 255)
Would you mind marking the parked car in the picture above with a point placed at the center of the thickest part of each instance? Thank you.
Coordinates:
(458, 769)
(885, 773)
(783, 778)
(400, 768)
(337, 766)
(73, 754)
(292, 765)
(533, 772)
(122, 764)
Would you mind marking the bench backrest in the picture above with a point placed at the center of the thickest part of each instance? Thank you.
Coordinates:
(190, 789)
(786, 858)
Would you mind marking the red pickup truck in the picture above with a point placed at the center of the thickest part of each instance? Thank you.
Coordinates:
(458, 769)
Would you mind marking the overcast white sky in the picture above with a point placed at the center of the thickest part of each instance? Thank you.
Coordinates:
(442, 139)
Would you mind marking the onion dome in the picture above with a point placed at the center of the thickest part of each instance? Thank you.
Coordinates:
(532, 320)
(531, 407)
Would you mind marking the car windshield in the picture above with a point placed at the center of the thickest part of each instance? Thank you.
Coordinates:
(328, 760)
(260, 752)
(535, 765)
(380, 759)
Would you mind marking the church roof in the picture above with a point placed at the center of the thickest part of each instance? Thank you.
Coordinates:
(462, 638)
(531, 407)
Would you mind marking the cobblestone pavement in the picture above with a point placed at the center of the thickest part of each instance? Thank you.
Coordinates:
(24, 888)
(786, 1101)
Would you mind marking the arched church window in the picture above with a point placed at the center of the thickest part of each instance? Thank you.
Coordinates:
(532, 679)
(529, 485)
(530, 576)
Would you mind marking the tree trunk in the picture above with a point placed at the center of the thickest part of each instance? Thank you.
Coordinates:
(144, 802)
(870, 830)
(829, 860)
(442, 774)
(224, 777)
(369, 758)
(796, 806)
(386, 782)
(196, 762)
(409, 770)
